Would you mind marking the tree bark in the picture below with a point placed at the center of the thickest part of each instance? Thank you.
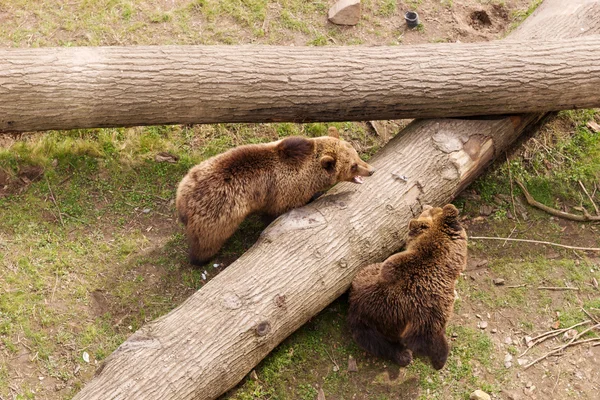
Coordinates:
(67, 88)
(307, 258)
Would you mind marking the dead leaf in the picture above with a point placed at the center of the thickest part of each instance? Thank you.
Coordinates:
(556, 325)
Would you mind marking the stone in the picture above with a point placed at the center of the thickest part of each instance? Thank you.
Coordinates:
(345, 12)
(508, 340)
(479, 395)
(486, 210)
(482, 325)
(498, 281)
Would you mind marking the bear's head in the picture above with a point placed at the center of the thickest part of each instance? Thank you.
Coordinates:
(341, 159)
(442, 220)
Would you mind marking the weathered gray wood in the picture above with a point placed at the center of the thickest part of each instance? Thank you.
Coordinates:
(66, 88)
(308, 257)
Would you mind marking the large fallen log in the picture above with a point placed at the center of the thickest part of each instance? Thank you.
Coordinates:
(308, 257)
(66, 88)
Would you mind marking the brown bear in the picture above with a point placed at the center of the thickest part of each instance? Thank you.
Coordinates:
(401, 306)
(218, 194)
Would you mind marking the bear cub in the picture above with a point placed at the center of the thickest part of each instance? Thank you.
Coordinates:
(401, 306)
(270, 179)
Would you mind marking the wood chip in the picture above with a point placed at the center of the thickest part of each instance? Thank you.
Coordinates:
(593, 126)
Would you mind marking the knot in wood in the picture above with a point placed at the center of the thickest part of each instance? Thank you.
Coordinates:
(343, 263)
(263, 328)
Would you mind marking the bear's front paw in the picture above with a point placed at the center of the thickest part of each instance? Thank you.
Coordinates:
(404, 357)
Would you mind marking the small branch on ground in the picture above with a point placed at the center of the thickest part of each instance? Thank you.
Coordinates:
(589, 197)
(550, 334)
(512, 195)
(590, 315)
(535, 241)
(552, 211)
(557, 288)
(570, 343)
(55, 203)
(517, 286)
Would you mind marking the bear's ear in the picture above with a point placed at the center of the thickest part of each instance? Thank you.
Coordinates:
(415, 227)
(333, 132)
(450, 211)
(450, 214)
(328, 163)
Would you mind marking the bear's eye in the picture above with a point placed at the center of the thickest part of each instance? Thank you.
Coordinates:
(354, 167)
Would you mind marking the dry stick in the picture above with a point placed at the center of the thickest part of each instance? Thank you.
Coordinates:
(516, 286)
(589, 197)
(55, 204)
(596, 339)
(550, 334)
(512, 196)
(562, 347)
(590, 315)
(535, 241)
(509, 235)
(561, 214)
(557, 288)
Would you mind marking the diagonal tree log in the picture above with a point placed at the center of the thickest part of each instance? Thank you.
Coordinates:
(66, 88)
(307, 258)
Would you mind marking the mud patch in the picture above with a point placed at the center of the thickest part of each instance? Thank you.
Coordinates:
(480, 18)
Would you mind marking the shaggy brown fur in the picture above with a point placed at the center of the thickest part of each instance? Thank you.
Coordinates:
(217, 194)
(401, 306)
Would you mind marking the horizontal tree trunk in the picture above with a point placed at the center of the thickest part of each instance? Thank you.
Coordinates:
(308, 257)
(66, 88)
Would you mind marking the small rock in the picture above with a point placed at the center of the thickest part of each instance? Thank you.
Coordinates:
(498, 281)
(345, 12)
(454, 334)
(486, 210)
(335, 368)
(479, 395)
(570, 334)
(528, 340)
(529, 384)
(522, 361)
(478, 316)
(508, 357)
(507, 364)
(86, 357)
(508, 340)
(482, 325)
(352, 367)
(494, 330)
(146, 210)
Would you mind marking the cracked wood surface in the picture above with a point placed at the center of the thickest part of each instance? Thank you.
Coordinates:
(307, 258)
(67, 88)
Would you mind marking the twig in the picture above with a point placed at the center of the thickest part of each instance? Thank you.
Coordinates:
(557, 379)
(561, 214)
(55, 204)
(550, 334)
(509, 235)
(516, 286)
(596, 339)
(571, 342)
(512, 196)
(590, 315)
(589, 197)
(557, 288)
(535, 241)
